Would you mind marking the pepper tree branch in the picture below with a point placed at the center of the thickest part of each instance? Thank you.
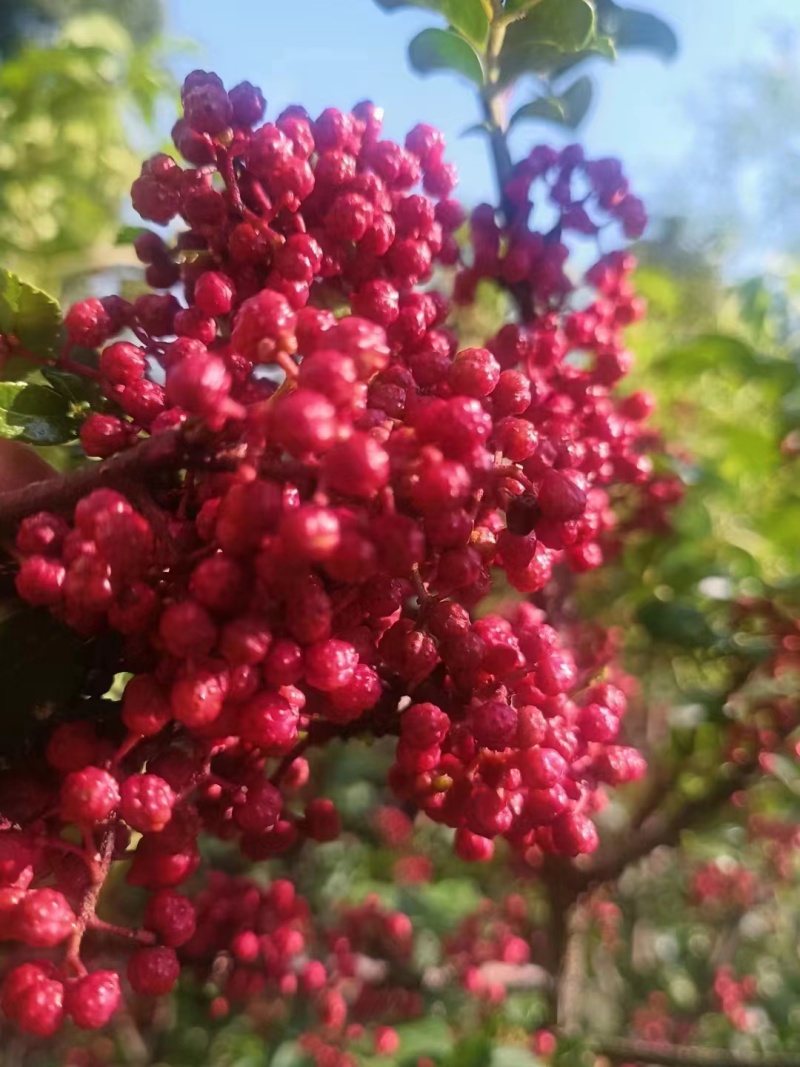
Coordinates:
(172, 448)
(619, 1050)
(664, 830)
(494, 114)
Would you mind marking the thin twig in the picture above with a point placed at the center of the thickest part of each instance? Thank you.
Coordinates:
(58, 494)
(620, 1050)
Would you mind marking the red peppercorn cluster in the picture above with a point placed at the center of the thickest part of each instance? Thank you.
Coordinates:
(266, 943)
(348, 485)
(733, 994)
(722, 886)
(491, 947)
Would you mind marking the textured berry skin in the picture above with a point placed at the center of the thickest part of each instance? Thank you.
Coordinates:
(122, 363)
(494, 725)
(269, 722)
(89, 795)
(171, 916)
(41, 534)
(146, 802)
(153, 971)
(44, 918)
(91, 1001)
(260, 808)
(574, 834)
(424, 725)
(16, 982)
(40, 1008)
(40, 580)
(103, 435)
(145, 709)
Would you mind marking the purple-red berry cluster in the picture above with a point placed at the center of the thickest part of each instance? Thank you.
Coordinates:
(350, 485)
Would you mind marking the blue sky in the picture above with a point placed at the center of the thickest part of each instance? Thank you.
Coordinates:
(336, 52)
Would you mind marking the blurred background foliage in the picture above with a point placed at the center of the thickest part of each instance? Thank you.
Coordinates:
(80, 83)
(80, 86)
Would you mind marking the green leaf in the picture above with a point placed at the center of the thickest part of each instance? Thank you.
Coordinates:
(676, 624)
(434, 50)
(30, 315)
(513, 6)
(476, 127)
(74, 388)
(427, 1036)
(568, 109)
(598, 47)
(126, 235)
(548, 34)
(630, 28)
(35, 414)
(545, 109)
(289, 1054)
(470, 18)
(475, 1050)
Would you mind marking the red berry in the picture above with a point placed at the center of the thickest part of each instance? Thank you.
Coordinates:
(40, 1008)
(44, 918)
(88, 796)
(93, 999)
(122, 363)
(574, 834)
(153, 971)
(172, 916)
(146, 802)
(269, 722)
(145, 709)
(103, 435)
(40, 580)
(560, 497)
(41, 534)
(542, 767)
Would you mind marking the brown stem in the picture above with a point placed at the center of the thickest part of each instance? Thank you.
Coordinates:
(143, 937)
(665, 830)
(167, 449)
(226, 169)
(494, 114)
(86, 914)
(620, 1050)
(571, 977)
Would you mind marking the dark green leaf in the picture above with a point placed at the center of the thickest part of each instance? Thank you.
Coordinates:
(35, 414)
(472, 1051)
(676, 624)
(567, 109)
(30, 315)
(74, 388)
(128, 234)
(476, 127)
(470, 18)
(598, 47)
(630, 28)
(545, 109)
(434, 50)
(546, 37)
(576, 101)
(42, 666)
(520, 5)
